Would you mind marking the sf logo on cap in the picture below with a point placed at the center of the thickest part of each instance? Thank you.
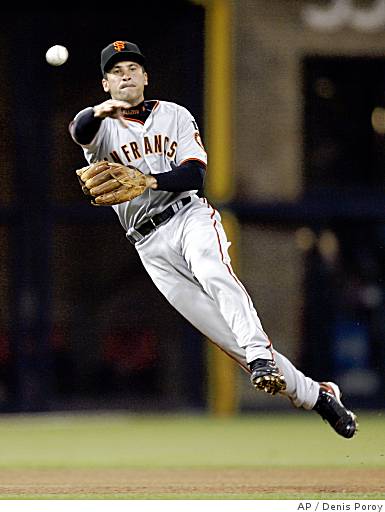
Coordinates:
(119, 46)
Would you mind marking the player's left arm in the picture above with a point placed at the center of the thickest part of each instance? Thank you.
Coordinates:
(188, 176)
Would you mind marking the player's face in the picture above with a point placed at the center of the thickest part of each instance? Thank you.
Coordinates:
(126, 82)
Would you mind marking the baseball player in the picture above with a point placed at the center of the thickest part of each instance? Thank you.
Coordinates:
(146, 159)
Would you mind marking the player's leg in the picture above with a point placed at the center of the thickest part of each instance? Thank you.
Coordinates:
(204, 245)
(171, 275)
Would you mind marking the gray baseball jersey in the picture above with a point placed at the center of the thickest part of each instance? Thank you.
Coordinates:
(169, 134)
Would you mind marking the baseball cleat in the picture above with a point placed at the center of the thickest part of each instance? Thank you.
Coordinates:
(266, 376)
(332, 410)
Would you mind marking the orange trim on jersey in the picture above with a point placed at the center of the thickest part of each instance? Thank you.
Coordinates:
(196, 159)
(137, 120)
(231, 272)
(229, 268)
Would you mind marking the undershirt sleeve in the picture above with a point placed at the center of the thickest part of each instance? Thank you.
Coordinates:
(85, 127)
(188, 176)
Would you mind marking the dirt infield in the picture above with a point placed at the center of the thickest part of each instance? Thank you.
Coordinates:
(196, 481)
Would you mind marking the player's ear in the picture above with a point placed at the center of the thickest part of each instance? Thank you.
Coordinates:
(106, 85)
(145, 78)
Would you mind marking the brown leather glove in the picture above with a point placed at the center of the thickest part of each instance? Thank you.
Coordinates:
(111, 183)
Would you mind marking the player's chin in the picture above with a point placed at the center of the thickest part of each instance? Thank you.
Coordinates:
(128, 94)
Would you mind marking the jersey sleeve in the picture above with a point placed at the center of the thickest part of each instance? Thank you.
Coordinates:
(190, 146)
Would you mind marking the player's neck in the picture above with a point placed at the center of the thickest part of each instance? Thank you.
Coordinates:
(134, 102)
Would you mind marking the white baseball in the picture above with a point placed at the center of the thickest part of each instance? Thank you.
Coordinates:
(56, 55)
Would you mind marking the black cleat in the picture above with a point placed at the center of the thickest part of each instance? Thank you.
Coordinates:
(331, 409)
(266, 376)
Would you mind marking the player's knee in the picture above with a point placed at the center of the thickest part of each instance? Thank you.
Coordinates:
(212, 278)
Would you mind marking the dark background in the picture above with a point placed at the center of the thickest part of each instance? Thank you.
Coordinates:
(81, 324)
(343, 167)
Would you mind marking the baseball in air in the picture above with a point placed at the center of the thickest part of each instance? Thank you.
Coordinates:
(56, 55)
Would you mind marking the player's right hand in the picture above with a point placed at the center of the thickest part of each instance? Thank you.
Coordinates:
(110, 108)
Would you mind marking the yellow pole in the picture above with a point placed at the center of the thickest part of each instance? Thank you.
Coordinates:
(219, 179)
(218, 98)
(222, 389)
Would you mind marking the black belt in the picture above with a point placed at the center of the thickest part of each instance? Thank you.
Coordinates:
(151, 224)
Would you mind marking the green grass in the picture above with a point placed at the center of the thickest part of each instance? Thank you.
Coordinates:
(294, 440)
(129, 441)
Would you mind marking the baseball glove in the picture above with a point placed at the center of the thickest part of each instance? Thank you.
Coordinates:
(111, 183)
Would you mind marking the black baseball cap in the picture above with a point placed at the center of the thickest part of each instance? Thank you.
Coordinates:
(120, 50)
